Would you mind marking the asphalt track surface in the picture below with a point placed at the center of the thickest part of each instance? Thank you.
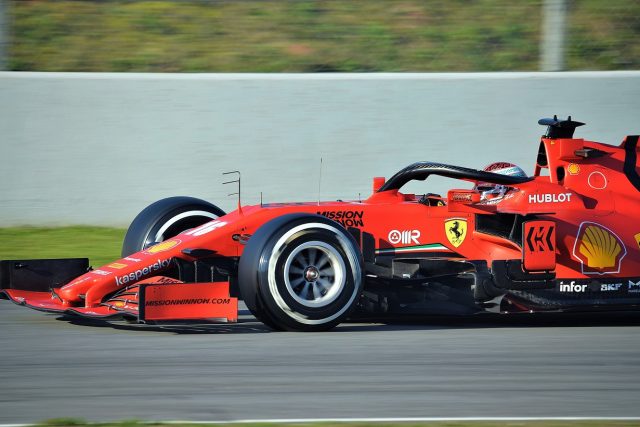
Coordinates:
(54, 367)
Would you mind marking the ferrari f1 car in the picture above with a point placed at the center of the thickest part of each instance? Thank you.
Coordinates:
(564, 239)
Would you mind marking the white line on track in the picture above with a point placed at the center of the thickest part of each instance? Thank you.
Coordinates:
(321, 76)
(374, 420)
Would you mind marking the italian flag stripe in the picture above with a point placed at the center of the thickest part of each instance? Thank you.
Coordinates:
(435, 247)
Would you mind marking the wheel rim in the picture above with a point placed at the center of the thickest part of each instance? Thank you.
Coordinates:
(314, 274)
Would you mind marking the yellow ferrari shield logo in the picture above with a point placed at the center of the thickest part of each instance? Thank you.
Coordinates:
(637, 236)
(455, 230)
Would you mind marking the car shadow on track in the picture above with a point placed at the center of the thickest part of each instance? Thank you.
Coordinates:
(490, 321)
(247, 324)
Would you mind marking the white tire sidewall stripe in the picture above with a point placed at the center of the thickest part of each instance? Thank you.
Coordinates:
(179, 217)
(278, 249)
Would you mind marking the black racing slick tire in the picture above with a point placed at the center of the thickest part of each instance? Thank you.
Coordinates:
(167, 218)
(301, 272)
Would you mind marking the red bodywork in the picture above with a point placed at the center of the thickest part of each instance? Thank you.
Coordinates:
(579, 223)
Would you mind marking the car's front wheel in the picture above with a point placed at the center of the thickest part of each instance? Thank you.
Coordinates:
(301, 272)
(167, 218)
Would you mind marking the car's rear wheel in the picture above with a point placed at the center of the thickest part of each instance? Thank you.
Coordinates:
(167, 218)
(301, 272)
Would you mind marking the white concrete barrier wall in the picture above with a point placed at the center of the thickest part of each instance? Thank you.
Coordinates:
(97, 148)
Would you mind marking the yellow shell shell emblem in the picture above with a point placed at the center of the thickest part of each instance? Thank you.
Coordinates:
(637, 237)
(599, 249)
(573, 169)
(162, 246)
(456, 230)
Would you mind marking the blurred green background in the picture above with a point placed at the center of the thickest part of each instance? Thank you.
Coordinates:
(314, 36)
(100, 244)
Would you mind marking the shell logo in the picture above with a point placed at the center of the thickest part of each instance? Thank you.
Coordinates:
(573, 169)
(599, 249)
(163, 246)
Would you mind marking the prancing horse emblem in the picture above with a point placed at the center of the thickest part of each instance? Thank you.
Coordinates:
(456, 231)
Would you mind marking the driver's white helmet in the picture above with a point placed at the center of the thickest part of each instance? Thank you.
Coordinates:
(489, 190)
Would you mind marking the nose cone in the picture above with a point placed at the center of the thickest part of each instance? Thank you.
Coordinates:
(72, 292)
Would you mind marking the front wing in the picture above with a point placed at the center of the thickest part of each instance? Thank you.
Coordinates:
(33, 283)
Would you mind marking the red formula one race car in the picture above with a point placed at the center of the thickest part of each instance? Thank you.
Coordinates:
(565, 239)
